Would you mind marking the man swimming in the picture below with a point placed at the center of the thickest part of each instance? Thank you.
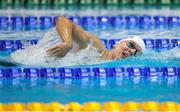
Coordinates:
(72, 37)
(69, 32)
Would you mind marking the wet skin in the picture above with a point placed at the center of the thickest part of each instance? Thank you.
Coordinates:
(123, 50)
(69, 32)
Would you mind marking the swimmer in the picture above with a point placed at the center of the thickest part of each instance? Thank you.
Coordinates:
(71, 34)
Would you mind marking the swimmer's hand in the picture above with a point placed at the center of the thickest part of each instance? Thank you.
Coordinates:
(59, 50)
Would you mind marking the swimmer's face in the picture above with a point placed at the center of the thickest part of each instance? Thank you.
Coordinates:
(125, 49)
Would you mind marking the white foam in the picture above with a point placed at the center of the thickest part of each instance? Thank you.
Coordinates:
(36, 55)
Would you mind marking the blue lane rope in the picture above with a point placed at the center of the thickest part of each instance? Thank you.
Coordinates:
(89, 72)
(132, 21)
(12, 45)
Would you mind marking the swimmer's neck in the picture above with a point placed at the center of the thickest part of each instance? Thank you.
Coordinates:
(110, 55)
(107, 55)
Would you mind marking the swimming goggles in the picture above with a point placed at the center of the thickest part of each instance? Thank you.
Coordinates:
(131, 46)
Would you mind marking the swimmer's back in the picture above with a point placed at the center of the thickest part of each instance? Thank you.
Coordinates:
(8, 63)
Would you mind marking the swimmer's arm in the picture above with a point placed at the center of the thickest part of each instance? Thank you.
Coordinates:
(64, 29)
(68, 30)
(83, 38)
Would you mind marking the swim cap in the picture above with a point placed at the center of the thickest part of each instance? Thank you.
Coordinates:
(137, 40)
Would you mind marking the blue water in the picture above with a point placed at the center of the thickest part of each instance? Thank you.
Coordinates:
(96, 89)
(100, 89)
(151, 57)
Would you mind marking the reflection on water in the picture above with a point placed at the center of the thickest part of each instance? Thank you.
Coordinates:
(90, 89)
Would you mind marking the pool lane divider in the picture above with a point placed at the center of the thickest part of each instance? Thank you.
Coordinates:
(89, 72)
(92, 106)
(12, 45)
(129, 22)
(59, 4)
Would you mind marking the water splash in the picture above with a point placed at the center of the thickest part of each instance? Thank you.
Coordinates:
(36, 55)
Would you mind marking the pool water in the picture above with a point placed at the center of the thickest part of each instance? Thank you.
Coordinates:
(101, 89)
(36, 55)
(123, 89)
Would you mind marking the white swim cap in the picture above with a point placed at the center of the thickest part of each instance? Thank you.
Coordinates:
(137, 40)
